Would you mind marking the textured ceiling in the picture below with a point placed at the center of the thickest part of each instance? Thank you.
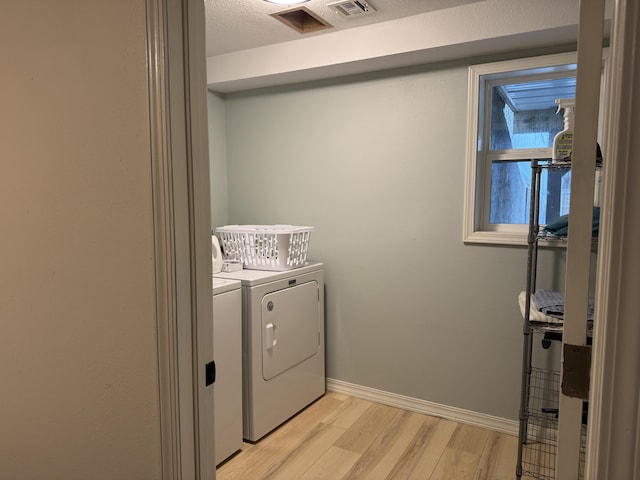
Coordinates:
(234, 25)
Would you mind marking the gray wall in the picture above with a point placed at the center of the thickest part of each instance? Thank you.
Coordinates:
(218, 159)
(376, 164)
(78, 363)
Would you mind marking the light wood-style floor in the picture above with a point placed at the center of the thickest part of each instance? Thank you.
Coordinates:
(340, 437)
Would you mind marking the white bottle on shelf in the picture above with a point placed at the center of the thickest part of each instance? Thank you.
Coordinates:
(563, 141)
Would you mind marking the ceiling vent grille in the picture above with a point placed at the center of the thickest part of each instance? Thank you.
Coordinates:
(351, 8)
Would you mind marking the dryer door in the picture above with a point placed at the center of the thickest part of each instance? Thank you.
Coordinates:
(290, 328)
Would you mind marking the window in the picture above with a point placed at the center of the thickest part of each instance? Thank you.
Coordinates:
(512, 119)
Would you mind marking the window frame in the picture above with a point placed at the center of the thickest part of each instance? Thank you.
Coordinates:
(476, 228)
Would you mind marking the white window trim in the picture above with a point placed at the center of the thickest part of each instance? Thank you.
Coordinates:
(475, 173)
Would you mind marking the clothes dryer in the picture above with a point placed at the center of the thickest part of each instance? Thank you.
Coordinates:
(282, 344)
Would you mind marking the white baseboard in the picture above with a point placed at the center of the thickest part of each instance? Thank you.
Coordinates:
(460, 415)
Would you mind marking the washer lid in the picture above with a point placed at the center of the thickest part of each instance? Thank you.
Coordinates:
(222, 285)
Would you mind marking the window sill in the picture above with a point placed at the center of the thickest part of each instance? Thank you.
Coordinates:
(496, 238)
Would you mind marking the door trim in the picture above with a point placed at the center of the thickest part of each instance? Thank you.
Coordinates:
(613, 437)
(181, 222)
(171, 429)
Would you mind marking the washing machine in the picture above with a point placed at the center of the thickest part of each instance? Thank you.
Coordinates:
(283, 367)
(227, 350)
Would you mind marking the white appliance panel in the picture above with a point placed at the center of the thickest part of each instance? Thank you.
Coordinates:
(268, 403)
(227, 349)
(290, 329)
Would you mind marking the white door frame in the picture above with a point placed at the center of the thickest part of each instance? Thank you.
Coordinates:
(613, 438)
(182, 230)
(580, 225)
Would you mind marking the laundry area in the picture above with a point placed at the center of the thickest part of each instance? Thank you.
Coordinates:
(281, 346)
(380, 178)
(412, 311)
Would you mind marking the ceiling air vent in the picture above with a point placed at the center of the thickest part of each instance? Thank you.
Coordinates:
(351, 8)
(302, 20)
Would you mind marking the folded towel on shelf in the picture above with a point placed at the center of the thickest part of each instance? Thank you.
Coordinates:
(536, 317)
(545, 322)
(551, 303)
(560, 226)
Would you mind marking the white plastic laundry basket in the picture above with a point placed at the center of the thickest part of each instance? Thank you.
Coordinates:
(265, 247)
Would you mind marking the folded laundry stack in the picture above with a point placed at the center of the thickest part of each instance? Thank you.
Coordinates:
(551, 303)
(547, 310)
(536, 317)
(560, 226)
